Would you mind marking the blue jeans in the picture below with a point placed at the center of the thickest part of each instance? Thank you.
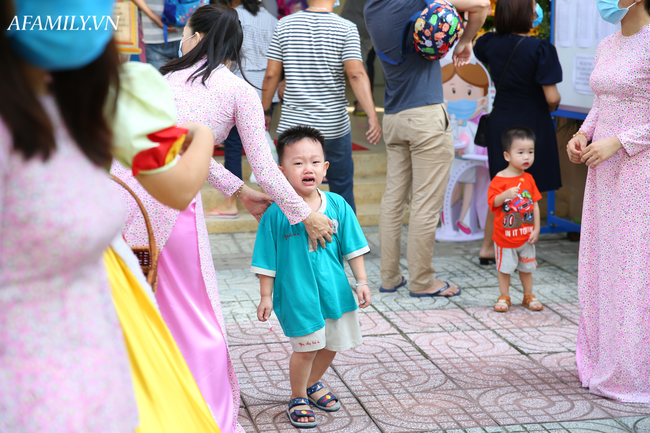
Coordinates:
(340, 174)
(159, 54)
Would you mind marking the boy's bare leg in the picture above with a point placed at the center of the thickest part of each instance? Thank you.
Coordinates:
(527, 282)
(300, 366)
(504, 286)
(320, 365)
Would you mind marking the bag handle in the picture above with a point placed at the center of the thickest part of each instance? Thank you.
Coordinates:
(147, 222)
(506, 69)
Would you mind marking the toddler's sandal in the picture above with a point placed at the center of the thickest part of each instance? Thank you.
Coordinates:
(322, 402)
(302, 413)
(531, 302)
(503, 303)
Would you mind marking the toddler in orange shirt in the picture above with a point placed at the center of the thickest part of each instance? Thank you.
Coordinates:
(513, 197)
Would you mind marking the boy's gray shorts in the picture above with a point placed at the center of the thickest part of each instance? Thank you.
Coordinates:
(521, 259)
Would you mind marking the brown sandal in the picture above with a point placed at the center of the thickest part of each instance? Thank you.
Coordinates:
(503, 301)
(531, 302)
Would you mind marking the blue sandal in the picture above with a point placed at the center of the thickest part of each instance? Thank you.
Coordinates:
(322, 402)
(293, 416)
(438, 293)
(394, 289)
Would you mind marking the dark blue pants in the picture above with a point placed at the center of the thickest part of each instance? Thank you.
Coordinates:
(232, 152)
(340, 174)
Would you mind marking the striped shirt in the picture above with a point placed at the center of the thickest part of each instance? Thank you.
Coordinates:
(151, 33)
(312, 47)
(258, 32)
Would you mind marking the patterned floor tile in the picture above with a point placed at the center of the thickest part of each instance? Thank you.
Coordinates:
(462, 344)
(378, 350)
(570, 310)
(401, 301)
(391, 378)
(597, 426)
(263, 373)
(636, 424)
(554, 292)
(433, 321)
(484, 297)
(247, 333)
(410, 412)
(509, 405)
(618, 409)
(517, 317)
(563, 365)
(245, 420)
(500, 371)
(372, 323)
(351, 418)
(543, 339)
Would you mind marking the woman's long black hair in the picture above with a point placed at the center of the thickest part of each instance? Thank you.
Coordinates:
(221, 43)
(252, 6)
(81, 95)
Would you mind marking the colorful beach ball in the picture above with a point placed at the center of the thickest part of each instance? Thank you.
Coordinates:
(437, 29)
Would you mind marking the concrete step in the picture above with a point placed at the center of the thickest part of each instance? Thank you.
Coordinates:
(367, 190)
(367, 214)
(366, 163)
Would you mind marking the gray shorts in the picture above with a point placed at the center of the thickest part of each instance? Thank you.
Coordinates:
(521, 259)
(337, 335)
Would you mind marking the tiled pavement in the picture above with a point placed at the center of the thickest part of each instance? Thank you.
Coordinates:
(431, 365)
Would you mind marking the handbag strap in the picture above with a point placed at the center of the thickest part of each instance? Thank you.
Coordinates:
(506, 69)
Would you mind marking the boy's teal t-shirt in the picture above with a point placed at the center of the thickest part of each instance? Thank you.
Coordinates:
(309, 286)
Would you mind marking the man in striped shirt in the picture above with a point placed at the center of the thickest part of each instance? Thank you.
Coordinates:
(314, 47)
(158, 52)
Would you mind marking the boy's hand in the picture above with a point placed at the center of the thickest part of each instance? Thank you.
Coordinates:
(363, 293)
(534, 236)
(511, 193)
(265, 308)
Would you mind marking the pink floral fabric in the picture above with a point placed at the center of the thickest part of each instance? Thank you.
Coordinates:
(613, 352)
(225, 102)
(63, 361)
(163, 219)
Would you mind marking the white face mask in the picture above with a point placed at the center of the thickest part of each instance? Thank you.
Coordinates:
(180, 52)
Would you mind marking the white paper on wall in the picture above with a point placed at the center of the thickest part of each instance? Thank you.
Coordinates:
(583, 66)
(564, 19)
(584, 24)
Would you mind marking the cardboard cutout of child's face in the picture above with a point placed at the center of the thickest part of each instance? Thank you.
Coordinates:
(458, 89)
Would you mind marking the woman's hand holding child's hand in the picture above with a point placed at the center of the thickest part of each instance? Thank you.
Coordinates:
(265, 308)
(363, 293)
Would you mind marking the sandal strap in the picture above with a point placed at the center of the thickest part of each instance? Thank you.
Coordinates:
(314, 388)
(300, 414)
(506, 299)
(326, 399)
(298, 402)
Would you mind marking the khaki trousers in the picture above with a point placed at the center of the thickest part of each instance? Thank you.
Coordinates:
(420, 151)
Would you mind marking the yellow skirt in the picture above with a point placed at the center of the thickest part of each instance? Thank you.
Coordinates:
(168, 399)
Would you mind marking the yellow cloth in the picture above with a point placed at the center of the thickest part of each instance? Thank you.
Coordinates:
(168, 399)
(145, 105)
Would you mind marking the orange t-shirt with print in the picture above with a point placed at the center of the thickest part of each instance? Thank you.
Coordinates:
(513, 220)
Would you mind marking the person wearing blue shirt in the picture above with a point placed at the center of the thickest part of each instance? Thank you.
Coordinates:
(308, 288)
